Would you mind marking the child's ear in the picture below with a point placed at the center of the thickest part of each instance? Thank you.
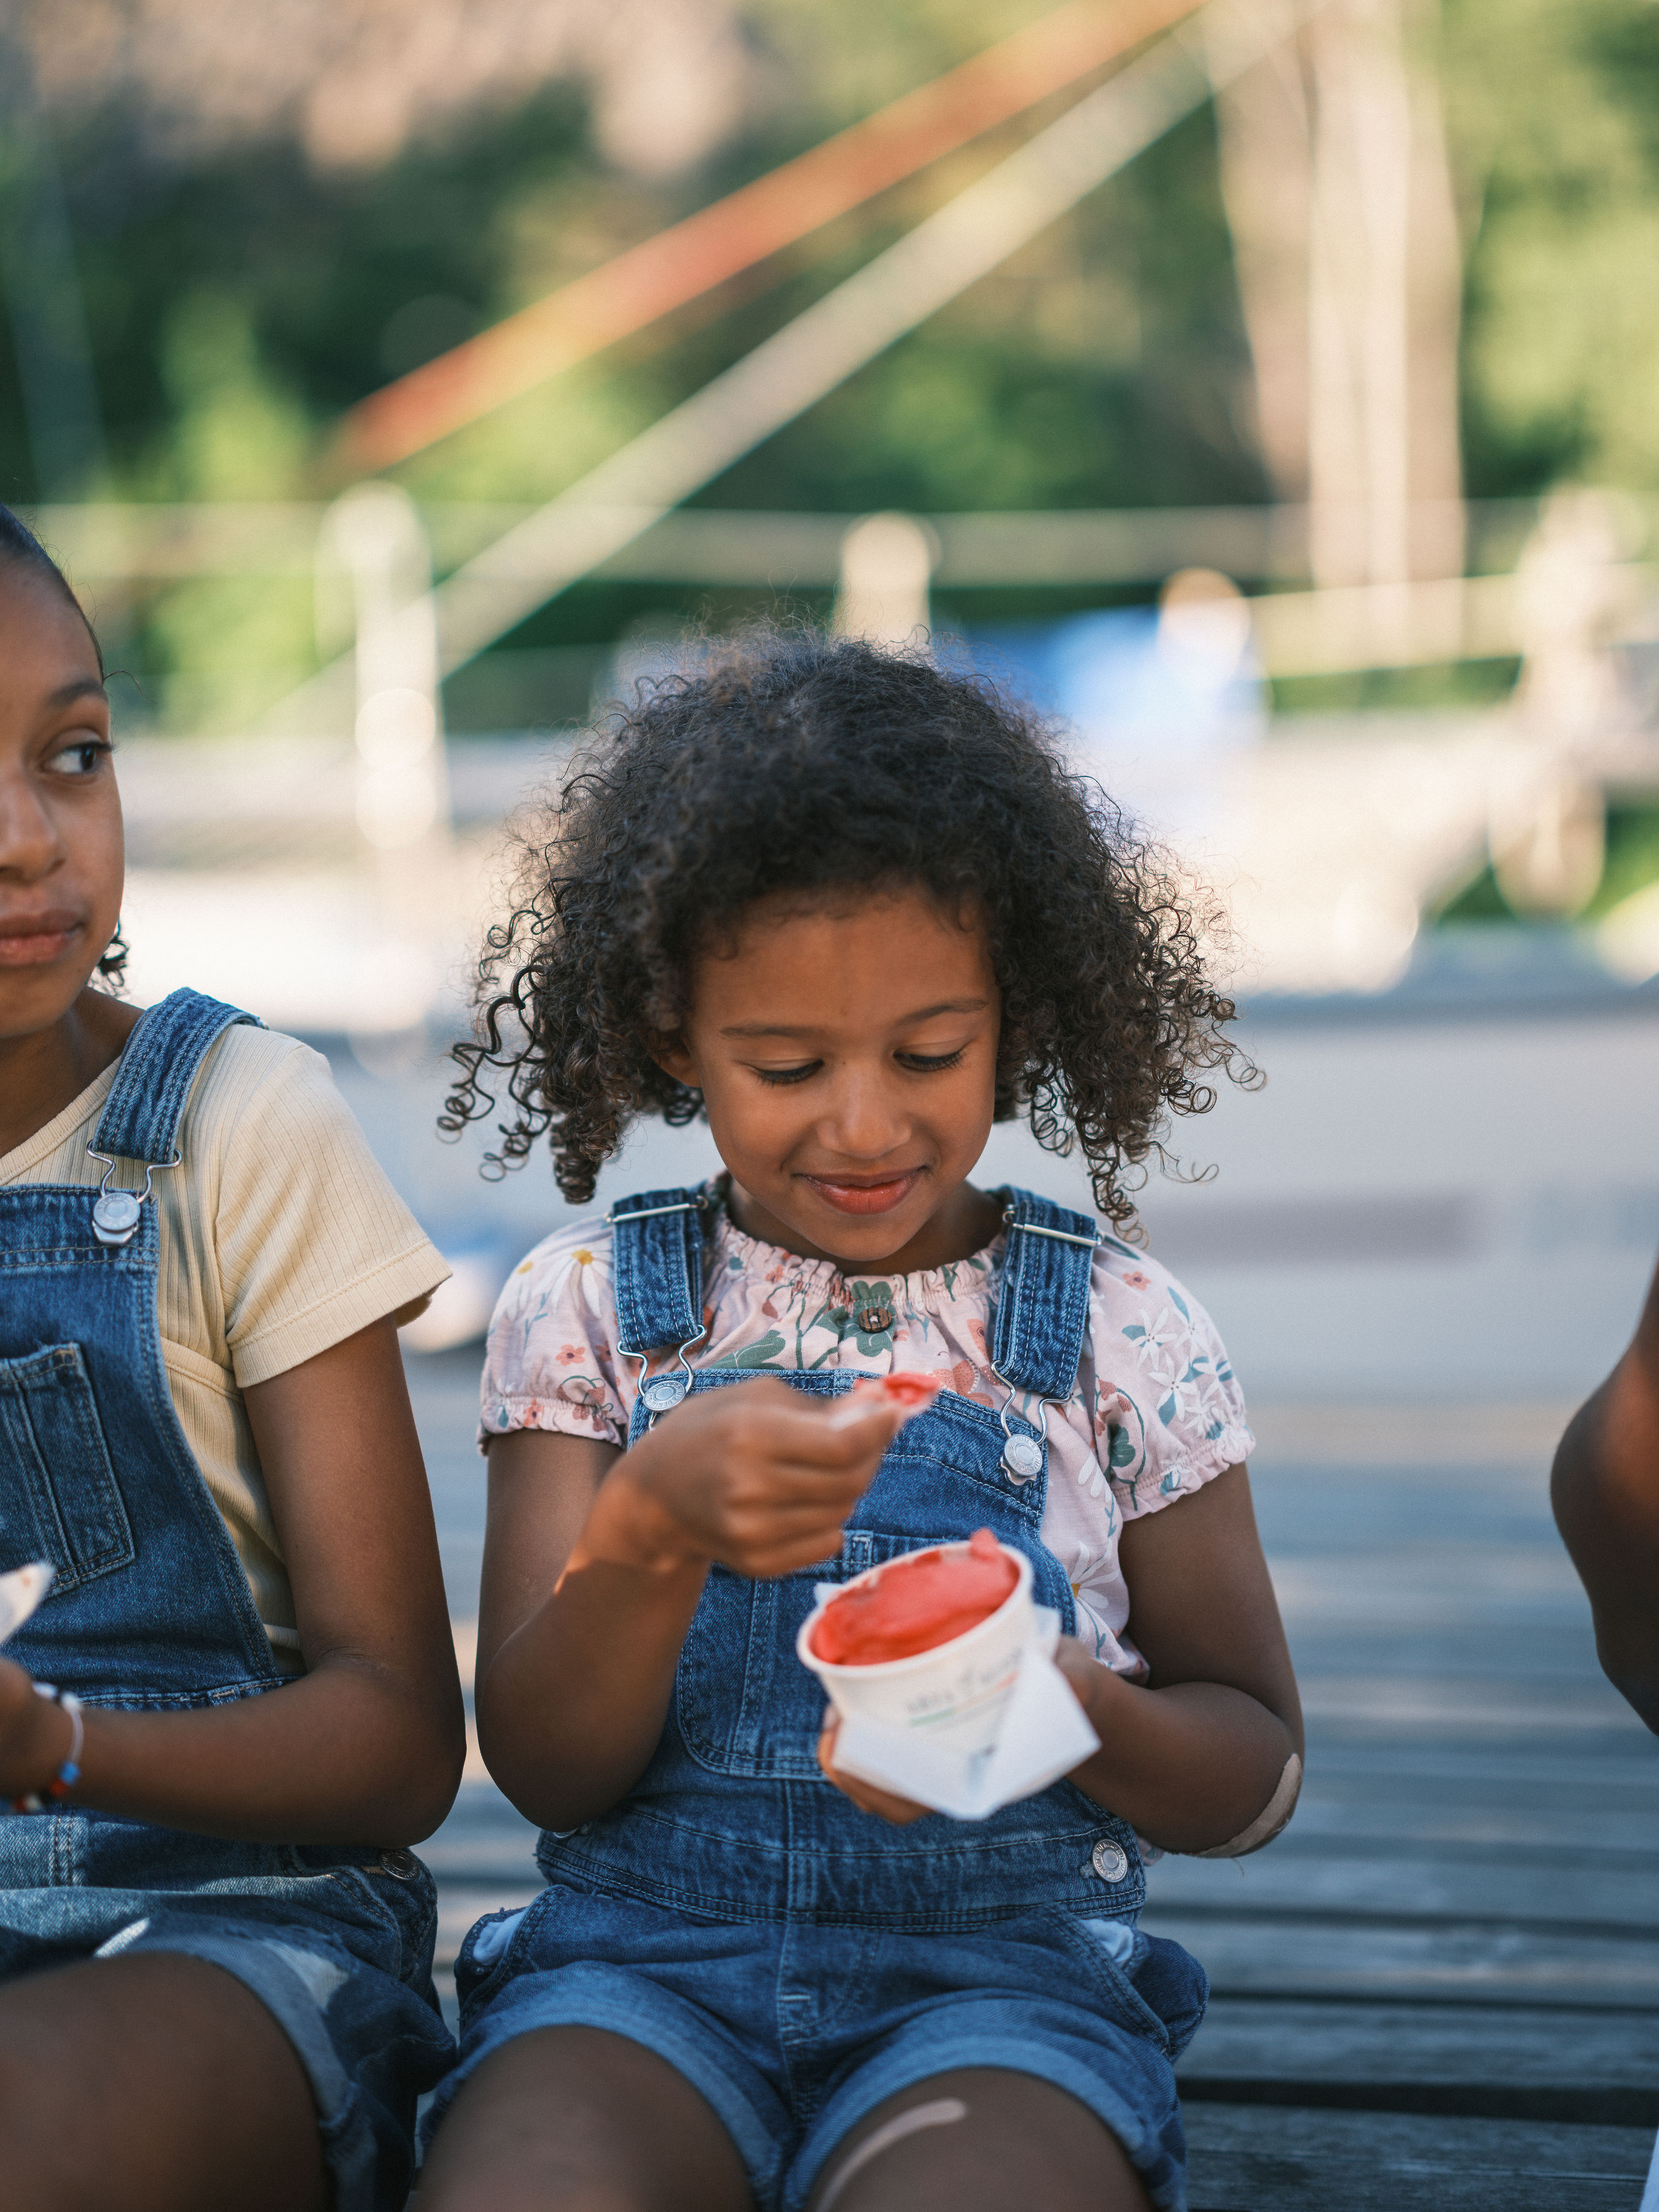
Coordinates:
(673, 1055)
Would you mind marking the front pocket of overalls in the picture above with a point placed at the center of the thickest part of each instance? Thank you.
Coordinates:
(744, 1703)
(58, 1495)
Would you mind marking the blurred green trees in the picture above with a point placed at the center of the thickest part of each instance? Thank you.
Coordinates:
(1553, 108)
(237, 300)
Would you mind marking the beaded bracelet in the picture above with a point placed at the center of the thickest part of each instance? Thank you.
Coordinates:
(38, 1800)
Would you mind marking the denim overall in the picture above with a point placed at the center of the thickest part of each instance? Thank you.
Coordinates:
(150, 1610)
(833, 1959)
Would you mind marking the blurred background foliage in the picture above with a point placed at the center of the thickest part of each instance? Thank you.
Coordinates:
(257, 250)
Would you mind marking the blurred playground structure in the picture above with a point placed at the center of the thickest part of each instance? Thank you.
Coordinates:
(336, 849)
(344, 860)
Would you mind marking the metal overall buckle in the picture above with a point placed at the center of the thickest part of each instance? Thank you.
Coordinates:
(116, 1213)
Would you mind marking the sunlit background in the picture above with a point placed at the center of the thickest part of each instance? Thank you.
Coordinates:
(1266, 387)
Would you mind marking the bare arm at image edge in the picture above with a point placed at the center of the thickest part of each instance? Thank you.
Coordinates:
(1605, 1490)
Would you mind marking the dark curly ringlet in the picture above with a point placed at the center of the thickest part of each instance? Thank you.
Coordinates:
(793, 764)
(21, 548)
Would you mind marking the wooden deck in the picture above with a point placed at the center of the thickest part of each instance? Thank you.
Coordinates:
(1440, 1988)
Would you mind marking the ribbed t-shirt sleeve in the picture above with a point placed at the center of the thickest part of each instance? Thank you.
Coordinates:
(1168, 1409)
(551, 1361)
(313, 1243)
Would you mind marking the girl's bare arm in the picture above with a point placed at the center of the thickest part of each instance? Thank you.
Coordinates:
(368, 1746)
(595, 1560)
(1191, 1759)
(1605, 1490)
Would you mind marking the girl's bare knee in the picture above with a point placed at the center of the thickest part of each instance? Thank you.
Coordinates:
(574, 2119)
(979, 2139)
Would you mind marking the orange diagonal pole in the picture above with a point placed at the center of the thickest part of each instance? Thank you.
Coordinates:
(748, 226)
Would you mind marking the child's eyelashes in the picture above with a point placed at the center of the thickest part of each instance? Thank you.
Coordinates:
(917, 1063)
(925, 1063)
(80, 757)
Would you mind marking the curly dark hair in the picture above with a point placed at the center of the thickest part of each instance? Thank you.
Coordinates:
(20, 548)
(794, 763)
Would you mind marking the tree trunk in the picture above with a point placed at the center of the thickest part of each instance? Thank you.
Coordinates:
(1334, 175)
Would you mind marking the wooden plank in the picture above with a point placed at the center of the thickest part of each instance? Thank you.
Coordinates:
(1505, 1667)
(1561, 1889)
(1254, 2159)
(1408, 1813)
(1623, 1769)
(1585, 2103)
(1450, 2048)
(1449, 1704)
(1347, 1955)
(1465, 1591)
(1627, 1759)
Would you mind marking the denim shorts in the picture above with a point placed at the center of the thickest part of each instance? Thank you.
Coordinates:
(336, 1944)
(794, 2033)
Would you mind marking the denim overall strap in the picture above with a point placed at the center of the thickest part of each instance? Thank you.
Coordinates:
(657, 1259)
(657, 1267)
(151, 1605)
(1043, 1308)
(141, 1116)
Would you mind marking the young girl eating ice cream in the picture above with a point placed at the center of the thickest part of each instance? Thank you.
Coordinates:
(852, 909)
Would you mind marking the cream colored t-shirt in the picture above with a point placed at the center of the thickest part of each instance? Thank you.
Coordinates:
(279, 1236)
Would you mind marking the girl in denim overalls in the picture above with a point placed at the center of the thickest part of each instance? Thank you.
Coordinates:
(852, 909)
(215, 1948)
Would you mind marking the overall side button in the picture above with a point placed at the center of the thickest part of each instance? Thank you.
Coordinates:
(1021, 1458)
(1109, 1860)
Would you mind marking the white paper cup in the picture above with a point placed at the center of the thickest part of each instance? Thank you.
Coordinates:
(953, 1695)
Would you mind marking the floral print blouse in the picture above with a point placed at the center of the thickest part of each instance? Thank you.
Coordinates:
(1157, 1413)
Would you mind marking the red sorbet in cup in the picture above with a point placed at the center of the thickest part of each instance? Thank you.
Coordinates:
(915, 1604)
